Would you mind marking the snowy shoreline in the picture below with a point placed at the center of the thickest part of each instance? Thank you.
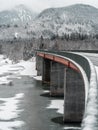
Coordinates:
(10, 70)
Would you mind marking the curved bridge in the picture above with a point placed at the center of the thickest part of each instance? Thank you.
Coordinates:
(70, 75)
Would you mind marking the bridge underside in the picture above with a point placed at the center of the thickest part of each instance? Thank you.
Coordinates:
(68, 82)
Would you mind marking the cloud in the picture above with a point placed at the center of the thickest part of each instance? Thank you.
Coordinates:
(39, 5)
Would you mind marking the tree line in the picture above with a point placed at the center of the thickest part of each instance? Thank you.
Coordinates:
(75, 36)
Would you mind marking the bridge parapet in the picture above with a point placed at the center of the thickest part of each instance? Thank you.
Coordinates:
(81, 60)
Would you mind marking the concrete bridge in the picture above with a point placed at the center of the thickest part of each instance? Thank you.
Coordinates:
(68, 74)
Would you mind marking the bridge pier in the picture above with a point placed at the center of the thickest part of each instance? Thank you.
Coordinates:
(46, 71)
(74, 96)
(39, 65)
(57, 79)
(53, 74)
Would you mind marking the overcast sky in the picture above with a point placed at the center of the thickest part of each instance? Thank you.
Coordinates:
(39, 5)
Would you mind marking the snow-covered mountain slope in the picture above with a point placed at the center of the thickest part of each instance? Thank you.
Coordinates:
(18, 15)
(77, 18)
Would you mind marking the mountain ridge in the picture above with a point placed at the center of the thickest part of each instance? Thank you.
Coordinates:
(17, 15)
(78, 18)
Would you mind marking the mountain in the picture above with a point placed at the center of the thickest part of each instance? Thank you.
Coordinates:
(77, 18)
(18, 15)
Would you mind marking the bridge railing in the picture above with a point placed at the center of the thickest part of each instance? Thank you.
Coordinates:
(79, 59)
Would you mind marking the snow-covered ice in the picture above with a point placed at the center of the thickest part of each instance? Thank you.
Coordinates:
(10, 125)
(9, 107)
(57, 104)
(9, 112)
(9, 70)
(96, 67)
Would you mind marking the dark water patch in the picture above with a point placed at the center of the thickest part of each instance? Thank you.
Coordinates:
(47, 94)
(1, 102)
(59, 120)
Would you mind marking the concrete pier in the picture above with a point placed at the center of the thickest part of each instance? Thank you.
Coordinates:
(74, 99)
(39, 65)
(57, 79)
(46, 71)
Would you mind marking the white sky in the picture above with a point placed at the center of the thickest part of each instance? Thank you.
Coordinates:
(39, 5)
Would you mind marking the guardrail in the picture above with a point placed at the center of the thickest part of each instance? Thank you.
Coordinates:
(82, 61)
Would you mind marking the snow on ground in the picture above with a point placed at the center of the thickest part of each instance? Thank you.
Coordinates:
(10, 125)
(9, 112)
(9, 107)
(72, 128)
(96, 67)
(8, 69)
(57, 104)
(28, 67)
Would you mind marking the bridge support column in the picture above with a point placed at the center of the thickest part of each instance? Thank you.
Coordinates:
(39, 65)
(74, 96)
(46, 71)
(57, 79)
